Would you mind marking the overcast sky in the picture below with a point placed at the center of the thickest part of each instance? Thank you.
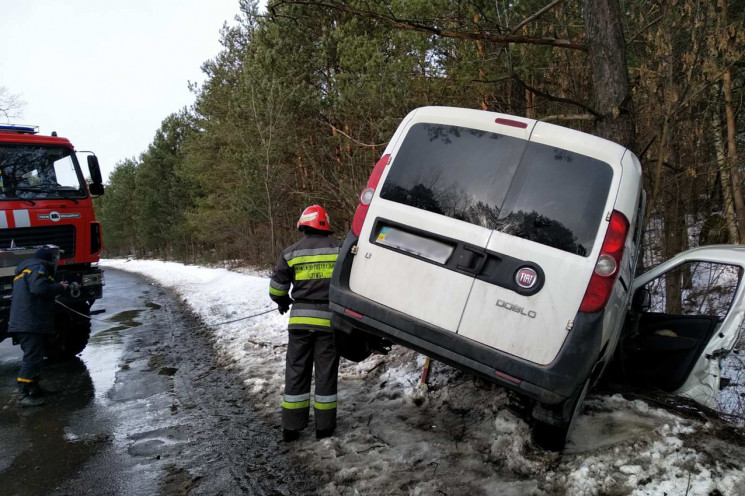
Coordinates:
(106, 73)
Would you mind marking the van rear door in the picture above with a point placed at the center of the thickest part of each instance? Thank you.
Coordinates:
(545, 245)
(427, 227)
(686, 318)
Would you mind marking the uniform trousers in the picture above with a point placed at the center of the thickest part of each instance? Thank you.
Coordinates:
(307, 349)
(32, 344)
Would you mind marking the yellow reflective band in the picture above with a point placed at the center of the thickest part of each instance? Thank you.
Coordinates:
(25, 271)
(310, 321)
(28, 381)
(306, 272)
(313, 258)
(324, 406)
(296, 405)
(277, 292)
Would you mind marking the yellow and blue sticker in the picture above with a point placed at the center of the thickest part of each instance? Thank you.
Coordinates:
(383, 233)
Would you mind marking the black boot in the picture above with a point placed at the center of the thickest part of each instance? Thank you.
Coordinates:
(323, 433)
(290, 435)
(38, 391)
(27, 396)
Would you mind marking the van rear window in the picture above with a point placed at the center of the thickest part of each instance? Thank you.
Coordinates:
(542, 193)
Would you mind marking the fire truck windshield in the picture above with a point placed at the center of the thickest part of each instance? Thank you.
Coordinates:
(38, 172)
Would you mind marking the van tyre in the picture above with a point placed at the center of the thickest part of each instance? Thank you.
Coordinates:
(71, 333)
(552, 436)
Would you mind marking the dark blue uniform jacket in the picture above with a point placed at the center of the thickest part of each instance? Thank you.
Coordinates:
(306, 266)
(32, 307)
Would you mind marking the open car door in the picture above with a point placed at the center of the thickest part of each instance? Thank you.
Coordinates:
(685, 317)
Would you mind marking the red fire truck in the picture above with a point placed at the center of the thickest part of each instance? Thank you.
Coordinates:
(45, 200)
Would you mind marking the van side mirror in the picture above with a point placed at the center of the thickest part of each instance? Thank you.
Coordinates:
(96, 186)
(642, 300)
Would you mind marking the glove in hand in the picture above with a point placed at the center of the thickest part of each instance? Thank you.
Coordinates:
(283, 305)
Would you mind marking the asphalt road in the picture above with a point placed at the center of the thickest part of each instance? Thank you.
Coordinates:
(145, 409)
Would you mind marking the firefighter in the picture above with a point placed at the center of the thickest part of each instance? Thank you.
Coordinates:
(306, 267)
(32, 317)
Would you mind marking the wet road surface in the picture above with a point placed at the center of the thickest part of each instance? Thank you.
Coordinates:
(146, 409)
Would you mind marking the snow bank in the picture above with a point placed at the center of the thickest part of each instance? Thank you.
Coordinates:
(459, 436)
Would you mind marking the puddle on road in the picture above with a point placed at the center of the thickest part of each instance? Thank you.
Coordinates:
(105, 348)
(127, 318)
(77, 433)
(50, 450)
(42, 448)
(109, 336)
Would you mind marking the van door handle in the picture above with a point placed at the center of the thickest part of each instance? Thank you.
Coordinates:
(480, 262)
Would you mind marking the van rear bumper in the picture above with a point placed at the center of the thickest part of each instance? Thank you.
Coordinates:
(548, 384)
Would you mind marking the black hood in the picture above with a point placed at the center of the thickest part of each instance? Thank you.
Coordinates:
(48, 254)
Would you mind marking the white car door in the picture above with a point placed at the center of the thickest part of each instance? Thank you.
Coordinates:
(685, 318)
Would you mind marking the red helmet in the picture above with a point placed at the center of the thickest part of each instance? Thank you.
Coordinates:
(316, 217)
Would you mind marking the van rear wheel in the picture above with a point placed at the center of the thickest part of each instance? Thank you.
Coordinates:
(71, 332)
(553, 436)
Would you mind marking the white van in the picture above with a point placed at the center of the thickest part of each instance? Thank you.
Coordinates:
(506, 247)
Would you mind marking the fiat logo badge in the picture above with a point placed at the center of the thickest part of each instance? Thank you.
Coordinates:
(526, 278)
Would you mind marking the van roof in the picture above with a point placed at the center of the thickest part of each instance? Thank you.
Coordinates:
(476, 117)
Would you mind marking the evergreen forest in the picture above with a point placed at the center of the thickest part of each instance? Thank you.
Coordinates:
(300, 102)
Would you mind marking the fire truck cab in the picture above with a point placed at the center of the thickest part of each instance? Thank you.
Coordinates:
(46, 200)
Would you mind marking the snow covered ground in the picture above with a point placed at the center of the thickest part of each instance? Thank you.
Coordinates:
(457, 437)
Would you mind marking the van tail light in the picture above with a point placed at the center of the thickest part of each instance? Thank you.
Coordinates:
(367, 195)
(607, 266)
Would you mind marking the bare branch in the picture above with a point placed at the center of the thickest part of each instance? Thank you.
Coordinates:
(555, 98)
(642, 30)
(10, 105)
(646, 148)
(412, 25)
(360, 143)
(492, 81)
(536, 15)
(568, 117)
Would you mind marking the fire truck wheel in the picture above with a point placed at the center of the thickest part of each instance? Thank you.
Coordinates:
(71, 333)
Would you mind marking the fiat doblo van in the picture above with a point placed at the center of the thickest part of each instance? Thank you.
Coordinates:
(506, 247)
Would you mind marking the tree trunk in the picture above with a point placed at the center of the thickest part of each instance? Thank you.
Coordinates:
(731, 144)
(732, 155)
(675, 235)
(674, 240)
(483, 104)
(607, 55)
(658, 174)
(726, 179)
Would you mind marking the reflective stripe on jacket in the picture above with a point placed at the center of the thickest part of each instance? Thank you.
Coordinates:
(32, 306)
(303, 272)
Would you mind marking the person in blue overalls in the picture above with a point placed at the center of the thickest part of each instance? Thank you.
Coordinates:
(32, 317)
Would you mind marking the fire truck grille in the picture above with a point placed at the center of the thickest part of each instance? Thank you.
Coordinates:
(62, 236)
